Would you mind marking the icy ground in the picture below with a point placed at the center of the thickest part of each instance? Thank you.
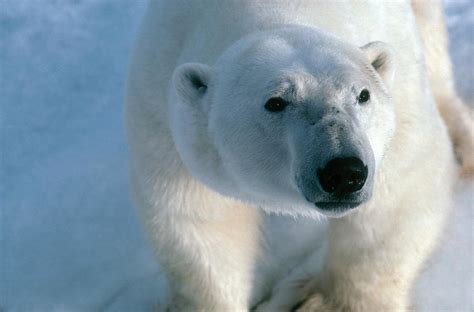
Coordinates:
(69, 237)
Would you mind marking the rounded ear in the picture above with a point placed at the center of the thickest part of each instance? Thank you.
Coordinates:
(190, 81)
(381, 57)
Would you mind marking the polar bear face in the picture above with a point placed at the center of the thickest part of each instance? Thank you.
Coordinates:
(294, 120)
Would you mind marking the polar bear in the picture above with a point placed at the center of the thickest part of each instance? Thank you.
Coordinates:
(318, 112)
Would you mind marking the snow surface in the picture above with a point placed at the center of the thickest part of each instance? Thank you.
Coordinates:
(70, 239)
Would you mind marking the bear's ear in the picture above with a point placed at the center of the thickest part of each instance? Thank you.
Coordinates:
(381, 57)
(190, 81)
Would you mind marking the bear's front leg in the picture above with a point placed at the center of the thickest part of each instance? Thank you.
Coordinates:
(209, 258)
(375, 254)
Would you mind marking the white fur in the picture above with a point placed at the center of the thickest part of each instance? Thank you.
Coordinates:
(205, 155)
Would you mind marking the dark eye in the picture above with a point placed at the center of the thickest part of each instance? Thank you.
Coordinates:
(364, 96)
(275, 104)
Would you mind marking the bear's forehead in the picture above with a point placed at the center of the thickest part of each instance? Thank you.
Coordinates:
(293, 61)
(299, 78)
(277, 52)
(275, 58)
(300, 85)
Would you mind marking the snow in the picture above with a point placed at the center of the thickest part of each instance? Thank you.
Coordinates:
(70, 239)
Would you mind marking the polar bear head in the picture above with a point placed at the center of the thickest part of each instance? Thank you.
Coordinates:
(293, 120)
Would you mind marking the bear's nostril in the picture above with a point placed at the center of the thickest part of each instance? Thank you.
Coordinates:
(343, 176)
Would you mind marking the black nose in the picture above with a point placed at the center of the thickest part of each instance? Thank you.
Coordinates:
(343, 176)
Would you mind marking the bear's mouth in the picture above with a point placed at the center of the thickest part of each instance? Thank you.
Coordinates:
(337, 209)
(338, 205)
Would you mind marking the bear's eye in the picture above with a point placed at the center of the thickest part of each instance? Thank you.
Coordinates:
(364, 96)
(275, 104)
